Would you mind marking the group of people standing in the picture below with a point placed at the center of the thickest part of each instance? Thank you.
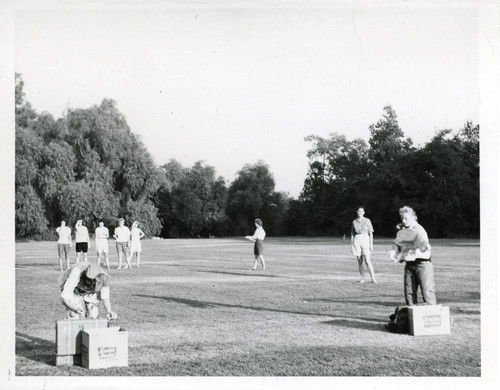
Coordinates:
(127, 243)
(411, 247)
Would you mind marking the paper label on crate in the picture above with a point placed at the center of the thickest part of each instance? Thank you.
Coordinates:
(106, 352)
(432, 321)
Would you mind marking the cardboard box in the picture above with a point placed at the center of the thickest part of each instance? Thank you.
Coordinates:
(69, 334)
(429, 320)
(104, 348)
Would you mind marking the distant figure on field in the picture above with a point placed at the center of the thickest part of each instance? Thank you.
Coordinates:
(135, 242)
(122, 236)
(412, 247)
(258, 249)
(101, 243)
(362, 243)
(63, 243)
(83, 287)
(81, 240)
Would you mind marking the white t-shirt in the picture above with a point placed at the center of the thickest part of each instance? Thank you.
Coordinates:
(72, 282)
(136, 234)
(82, 234)
(64, 235)
(101, 233)
(122, 234)
(259, 234)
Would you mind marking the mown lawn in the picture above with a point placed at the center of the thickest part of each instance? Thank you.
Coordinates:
(195, 309)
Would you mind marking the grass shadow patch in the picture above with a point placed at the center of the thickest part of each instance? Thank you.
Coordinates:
(34, 348)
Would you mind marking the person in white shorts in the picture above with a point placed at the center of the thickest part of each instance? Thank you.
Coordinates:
(101, 243)
(362, 243)
(63, 243)
(135, 242)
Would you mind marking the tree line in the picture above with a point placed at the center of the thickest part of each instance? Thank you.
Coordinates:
(89, 165)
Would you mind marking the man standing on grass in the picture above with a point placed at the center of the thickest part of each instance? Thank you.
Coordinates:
(362, 243)
(412, 247)
(63, 243)
(101, 243)
(122, 236)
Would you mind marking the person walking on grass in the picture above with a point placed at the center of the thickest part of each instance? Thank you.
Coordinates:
(258, 249)
(81, 240)
(122, 236)
(63, 243)
(101, 243)
(362, 243)
(412, 247)
(135, 243)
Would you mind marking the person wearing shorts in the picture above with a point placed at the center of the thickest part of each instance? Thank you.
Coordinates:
(101, 243)
(135, 242)
(122, 236)
(258, 249)
(81, 240)
(362, 243)
(412, 247)
(63, 243)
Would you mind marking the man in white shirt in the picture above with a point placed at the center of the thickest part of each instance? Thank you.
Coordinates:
(122, 236)
(101, 243)
(63, 243)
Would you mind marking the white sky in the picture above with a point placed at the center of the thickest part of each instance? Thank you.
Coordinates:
(234, 86)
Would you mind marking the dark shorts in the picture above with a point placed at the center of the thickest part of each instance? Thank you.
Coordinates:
(258, 248)
(63, 249)
(82, 247)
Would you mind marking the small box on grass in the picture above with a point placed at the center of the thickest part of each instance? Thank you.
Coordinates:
(104, 348)
(429, 320)
(69, 338)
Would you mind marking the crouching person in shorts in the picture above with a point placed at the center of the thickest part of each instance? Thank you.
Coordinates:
(362, 243)
(83, 287)
(412, 247)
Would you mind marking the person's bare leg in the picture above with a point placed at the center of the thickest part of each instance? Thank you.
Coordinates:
(254, 263)
(369, 266)
(262, 262)
(361, 268)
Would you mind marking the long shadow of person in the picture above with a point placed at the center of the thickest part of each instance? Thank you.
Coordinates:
(34, 348)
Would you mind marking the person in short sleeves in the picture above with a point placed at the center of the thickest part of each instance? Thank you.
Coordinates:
(122, 236)
(258, 249)
(83, 287)
(81, 240)
(63, 243)
(135, 242)
(101, 243)
(412, 247)
(362, 243)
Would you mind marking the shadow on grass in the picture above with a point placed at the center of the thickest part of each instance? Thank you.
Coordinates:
(34, 348)
(363, 302)
(355, 322)
(374, 324)
(249, 273)
(53, 267)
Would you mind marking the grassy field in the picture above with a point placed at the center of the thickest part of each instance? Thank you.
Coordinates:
(195, 309)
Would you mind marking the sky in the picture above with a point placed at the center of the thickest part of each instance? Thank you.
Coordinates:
(234, 86)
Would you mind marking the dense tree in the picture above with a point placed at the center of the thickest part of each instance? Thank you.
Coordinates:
(251, 195)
